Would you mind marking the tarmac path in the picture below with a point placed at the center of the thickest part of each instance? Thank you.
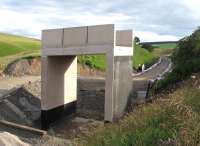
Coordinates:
(141, 81)
(155, 71)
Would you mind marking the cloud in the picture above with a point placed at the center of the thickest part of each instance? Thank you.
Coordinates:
(151, 21)
(193, 8)
(146, 36)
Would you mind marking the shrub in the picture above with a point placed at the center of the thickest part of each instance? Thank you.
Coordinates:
(137, 40)
(185, 58)
(148, 47)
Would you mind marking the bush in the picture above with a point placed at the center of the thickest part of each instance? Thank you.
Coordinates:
(137, 40)
(185, 58)
(188, 52)
(148, 47)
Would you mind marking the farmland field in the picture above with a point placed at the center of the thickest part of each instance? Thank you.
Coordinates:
(165, 46)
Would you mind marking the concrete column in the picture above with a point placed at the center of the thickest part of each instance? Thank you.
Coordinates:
(109, 99)
(122, 84)
(118, 86)
(59, 87)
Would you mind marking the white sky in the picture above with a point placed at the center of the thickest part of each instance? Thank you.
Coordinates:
(156, 20)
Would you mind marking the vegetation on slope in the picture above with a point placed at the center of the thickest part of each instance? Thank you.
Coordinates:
(185, 58)
(142, 56)
(166, 46)
(11, 44)
(94, 61)
(15, 47)
(170, 120)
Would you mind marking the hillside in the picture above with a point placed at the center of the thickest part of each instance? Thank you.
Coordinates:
(11, 44)
(172, 119)
(14, 47)
(165, 46)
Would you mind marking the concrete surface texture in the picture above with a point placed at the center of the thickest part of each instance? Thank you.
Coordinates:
(59, 50)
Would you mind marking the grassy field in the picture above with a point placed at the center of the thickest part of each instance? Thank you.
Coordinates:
(14, 47)
(171, 119)
(11, 45)
(165, 46)
(142, 56)
(164, 49)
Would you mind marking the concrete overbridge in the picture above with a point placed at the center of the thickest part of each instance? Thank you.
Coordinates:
(60, 48)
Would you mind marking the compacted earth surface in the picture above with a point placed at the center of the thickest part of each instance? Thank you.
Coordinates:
(20, 101)
(23, 106)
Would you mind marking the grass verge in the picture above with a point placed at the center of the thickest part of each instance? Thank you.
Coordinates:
(172, 119)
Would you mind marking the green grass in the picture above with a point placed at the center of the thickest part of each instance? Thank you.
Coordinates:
(142, 56)
(11, 44)
(185, 59)
(94, 61)
(171, 118)
(15, 47)
(166, 46)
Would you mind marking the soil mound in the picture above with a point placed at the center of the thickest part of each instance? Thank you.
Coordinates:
(24, 67)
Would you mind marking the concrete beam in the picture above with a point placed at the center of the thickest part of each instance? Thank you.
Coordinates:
(101, 35)
(76, 36)
(124, 38)
(52, 38)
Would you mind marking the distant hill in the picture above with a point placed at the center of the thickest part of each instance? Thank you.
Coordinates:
(12, 44)
(162, 42)
(162, 45)
(13, 47)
